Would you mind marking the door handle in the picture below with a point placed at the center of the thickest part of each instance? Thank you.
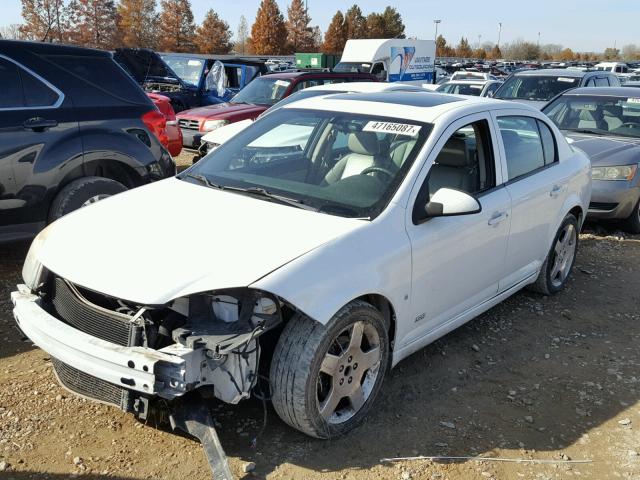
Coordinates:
(39, 124)
(556, 190)
(497, 217)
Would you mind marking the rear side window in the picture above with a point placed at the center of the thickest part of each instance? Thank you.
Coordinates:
(36, 93)
(10, 85)
(522, 145)
(104, 79)
(602, 82)
(548, 143)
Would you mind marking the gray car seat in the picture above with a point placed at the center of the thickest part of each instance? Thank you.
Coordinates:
(364, 147)
(454, 168)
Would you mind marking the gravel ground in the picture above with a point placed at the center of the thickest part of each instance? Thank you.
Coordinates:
(534, 378)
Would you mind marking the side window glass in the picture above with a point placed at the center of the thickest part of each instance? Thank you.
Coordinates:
(522, 145)
(10, 85)
(466, 161)
(548, 143)
(36, 93)
(379, 71)
(602, 82)
(590, 83)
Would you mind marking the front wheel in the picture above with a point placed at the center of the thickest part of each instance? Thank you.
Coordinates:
(557, 266)
(324, 378)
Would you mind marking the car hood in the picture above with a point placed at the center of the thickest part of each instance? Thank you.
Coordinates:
(142, 64)
(174, 238)
(224, 111)
(606, 151)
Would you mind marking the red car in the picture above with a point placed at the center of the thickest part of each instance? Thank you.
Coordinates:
(174, 134)
(255, 98)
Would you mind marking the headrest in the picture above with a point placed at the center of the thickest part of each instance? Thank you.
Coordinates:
(454, 153)
(364, 143)
(612, 110)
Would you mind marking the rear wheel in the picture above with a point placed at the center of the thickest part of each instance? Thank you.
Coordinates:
(632, 224)
(324, 378)
(557, 266)
(83, 192)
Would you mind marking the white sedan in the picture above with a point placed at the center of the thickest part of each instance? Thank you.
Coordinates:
(321, 264)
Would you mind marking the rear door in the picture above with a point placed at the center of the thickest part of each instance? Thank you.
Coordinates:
(38, 137)
(537, 191)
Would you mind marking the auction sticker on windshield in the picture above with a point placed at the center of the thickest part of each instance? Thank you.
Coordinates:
(565, 79)
(633, 100)
(390, 127)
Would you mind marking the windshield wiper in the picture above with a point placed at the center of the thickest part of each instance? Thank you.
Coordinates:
(205, 181)
(261, 192)
(586, 130)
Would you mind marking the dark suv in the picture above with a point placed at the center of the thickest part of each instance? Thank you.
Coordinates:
(74, 128)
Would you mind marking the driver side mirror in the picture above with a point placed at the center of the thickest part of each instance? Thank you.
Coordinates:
(447, 202)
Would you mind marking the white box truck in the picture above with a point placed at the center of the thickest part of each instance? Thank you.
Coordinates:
(391, 60)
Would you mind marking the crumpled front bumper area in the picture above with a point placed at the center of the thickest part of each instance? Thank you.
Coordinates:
(98, 369)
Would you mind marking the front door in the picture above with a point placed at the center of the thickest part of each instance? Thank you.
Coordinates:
(458, 262)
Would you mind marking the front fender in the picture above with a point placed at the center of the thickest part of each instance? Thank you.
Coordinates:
(374, 259)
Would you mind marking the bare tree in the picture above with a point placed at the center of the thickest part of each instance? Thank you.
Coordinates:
(12, 31)
(242, 36)
(44, 20)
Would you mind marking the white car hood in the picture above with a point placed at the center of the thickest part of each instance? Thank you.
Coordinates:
(174, 238)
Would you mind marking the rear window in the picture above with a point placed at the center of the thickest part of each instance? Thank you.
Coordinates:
(106, 81)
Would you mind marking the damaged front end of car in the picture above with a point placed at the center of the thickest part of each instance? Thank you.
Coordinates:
(137, 357)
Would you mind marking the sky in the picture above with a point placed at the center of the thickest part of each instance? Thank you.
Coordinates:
(583, 25)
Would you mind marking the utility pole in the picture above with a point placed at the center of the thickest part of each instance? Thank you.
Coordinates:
(499, 33)
(435, 71)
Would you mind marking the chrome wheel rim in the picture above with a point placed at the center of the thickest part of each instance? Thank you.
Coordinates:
(564, 252)
(348, 372)
(94, 199)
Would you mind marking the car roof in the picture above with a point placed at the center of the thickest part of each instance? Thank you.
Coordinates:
(556, 72)
(51, 48)
(364, 87)
(469, 82)
(604, 91)
(296, 74)
(418, 106)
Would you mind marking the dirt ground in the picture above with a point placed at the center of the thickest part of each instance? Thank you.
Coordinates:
(534, 378)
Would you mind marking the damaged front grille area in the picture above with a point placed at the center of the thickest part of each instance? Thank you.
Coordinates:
(75, 310)
(86, 385)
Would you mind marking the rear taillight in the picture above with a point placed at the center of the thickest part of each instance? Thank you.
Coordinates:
(157, 124)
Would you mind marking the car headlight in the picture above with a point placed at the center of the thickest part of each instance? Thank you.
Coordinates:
(622, 172)
(33, 270)
(210, 125)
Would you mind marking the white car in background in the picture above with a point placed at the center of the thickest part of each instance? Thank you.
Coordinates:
(400, 216)
(475, 88)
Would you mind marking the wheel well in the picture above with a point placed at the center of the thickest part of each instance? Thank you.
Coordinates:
(577, 212)
(117, 171)
(386, 308)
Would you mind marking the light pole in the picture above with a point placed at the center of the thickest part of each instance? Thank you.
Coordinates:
(436, 22)
(479, 40)
(499, 33)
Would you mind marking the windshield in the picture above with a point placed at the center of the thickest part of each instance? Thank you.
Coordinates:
(189, 69)
(262, 91)
(461, 89)
(606, 115)
(352, 67)
(541, 88)
(338, 163)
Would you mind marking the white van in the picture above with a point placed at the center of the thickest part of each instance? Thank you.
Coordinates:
(613, 67)
(391, 60)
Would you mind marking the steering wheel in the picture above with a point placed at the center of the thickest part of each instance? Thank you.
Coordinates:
(631, 124)
(384, 171)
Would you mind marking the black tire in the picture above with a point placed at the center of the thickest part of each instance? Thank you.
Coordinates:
(75, 194)
(632, 224)
(295, 369)
(545, 284)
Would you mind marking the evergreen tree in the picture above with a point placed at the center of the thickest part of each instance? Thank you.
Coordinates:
(336, 35)
(269, 32)
(137, 23)
(214, 35)
(92, 23)
(176, 29)
(299, 33)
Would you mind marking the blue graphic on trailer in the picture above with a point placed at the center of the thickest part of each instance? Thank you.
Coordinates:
(405, 66)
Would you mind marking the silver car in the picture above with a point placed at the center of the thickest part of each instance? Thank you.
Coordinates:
(605, 123)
